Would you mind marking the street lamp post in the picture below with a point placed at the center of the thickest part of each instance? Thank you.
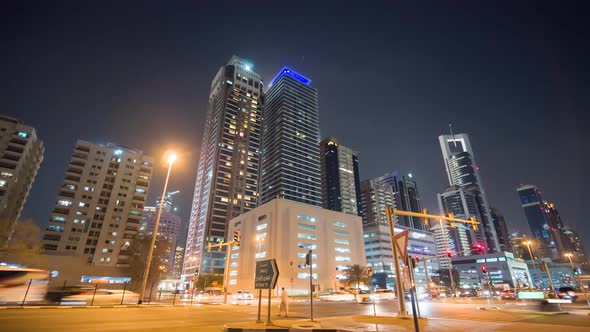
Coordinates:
(171, 159)
(528, 245)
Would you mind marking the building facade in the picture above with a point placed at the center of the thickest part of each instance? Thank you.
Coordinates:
(21, 154)
(544, 222)
(286, 230)
(291, 136)
(375, 196)
(228, 170)
(340, 178)
(406, 198)
(501, 230)
(100, 203)
(462, 171)
(503, 271)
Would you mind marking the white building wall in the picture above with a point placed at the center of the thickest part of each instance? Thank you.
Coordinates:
(277, 228)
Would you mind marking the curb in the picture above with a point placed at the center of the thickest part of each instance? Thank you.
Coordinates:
(95, 306)
(276, 328)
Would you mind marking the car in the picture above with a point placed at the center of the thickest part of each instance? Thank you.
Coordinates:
(365, 297)
(567, 293)
(468, 293)
(508, 294)
(214, 295)
(242, 296)
(101, 297)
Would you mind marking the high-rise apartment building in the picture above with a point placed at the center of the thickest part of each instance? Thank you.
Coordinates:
(407, 198)
(168, 229)
(462, 171)
(375, 196)
(290, 153)
(99, 205)
(340, 177)
(501, 230)
(21, 153)
(227, 176)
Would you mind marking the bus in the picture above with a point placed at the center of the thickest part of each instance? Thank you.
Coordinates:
(14, 282)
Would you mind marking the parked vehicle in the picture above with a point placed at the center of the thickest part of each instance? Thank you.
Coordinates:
(57, 294)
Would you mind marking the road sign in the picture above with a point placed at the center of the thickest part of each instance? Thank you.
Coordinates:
(267, 274)
(401, 242)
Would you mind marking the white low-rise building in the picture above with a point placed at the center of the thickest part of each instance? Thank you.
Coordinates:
(286, 230)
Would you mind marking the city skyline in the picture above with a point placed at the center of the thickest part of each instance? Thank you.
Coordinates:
(424, 162)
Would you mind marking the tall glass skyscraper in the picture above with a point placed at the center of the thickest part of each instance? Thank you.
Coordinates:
(544, 221)
(290, 153)
(340, 177)
(462, 171)
(227, 176)
(407, 198)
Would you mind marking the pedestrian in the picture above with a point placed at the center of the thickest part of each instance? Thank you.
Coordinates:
(284, 305)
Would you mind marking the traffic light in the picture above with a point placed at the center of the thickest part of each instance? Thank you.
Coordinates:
(479, 248)
(484, 269)
(417, 259)
(576, 272)
(308, 259)
(291, 262)
(237, 238)
(449, 253)
(196, 272)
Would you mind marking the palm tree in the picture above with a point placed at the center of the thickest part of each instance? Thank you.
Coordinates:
(356, 275)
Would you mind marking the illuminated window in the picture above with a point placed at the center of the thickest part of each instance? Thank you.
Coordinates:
(261, 227)
(343, 233)
(342, 250)
(306, 227)
(306, 236)
(341, 241)
(23, 134)
(306, 218)
(7, 174)
(342, 259)
(339, 224)
(64, 202)
(2, 183)
(261, 254)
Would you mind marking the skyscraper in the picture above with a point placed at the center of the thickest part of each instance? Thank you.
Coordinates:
(462, 171)
(375, 196)
(168, 228)
(100, 203)
(544, 221)
(501, 230)
(21, 153)
(460, 239)
(340, 177)
(407, 198)
(227, 176)
(290, 153)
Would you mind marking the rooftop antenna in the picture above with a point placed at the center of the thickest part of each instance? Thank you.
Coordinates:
(452, 135)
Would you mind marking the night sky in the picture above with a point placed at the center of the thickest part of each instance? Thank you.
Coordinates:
(391, 77)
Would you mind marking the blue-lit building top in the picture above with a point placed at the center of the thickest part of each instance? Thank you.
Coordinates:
(290, 148)
(290, 72)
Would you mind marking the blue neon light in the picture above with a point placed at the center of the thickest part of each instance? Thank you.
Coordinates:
(292, 73)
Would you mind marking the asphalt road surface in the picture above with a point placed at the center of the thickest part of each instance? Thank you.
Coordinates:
(212, 317)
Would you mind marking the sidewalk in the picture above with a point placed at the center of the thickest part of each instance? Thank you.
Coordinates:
(385, 324)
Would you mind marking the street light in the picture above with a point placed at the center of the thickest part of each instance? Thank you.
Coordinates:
(171, 158)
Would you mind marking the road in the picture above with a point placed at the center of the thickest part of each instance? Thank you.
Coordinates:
(210, 317)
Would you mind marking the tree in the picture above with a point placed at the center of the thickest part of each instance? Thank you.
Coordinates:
(138, 251)
(356, 275)
(444, 279)
(24, 244)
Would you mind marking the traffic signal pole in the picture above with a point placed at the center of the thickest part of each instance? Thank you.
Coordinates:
(398, 280)
(228, 246)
